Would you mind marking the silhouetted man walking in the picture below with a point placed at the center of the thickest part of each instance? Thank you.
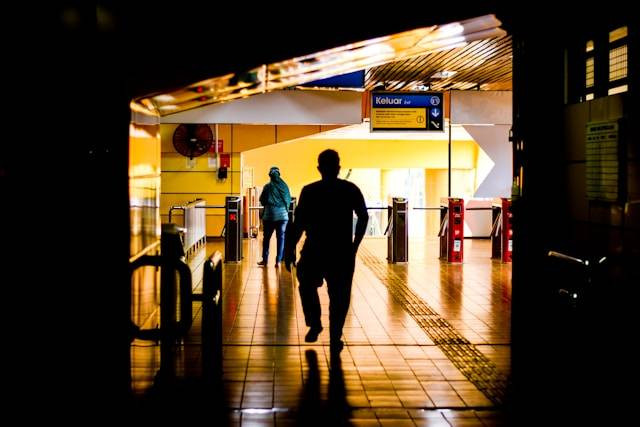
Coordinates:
(325, 213)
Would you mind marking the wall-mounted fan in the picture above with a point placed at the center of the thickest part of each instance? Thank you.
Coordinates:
(192, 140)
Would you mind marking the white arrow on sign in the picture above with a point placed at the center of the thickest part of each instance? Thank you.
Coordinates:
(435, 112)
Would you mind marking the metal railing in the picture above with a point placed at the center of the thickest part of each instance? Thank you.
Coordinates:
(254, 228)
(172, 329)
(194, 223)
(577, 285)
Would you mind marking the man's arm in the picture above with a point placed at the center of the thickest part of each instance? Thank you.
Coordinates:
(363, 217)
(294, 232)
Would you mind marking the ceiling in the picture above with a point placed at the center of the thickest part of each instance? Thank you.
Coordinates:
(471, 54)
(482, 64)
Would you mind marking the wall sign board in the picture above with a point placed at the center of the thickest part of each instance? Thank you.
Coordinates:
(603, 165)
(410, 111)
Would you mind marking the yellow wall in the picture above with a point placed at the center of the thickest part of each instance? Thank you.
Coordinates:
(369, 182)
(144, 193)
(298, 159)
(181, 184)
(255, 148)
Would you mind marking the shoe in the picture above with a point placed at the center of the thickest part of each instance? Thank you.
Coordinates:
(312, 335)
(262, 262)
(277, 264)
(336, 347)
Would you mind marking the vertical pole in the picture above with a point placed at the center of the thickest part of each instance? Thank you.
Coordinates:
(449, 156)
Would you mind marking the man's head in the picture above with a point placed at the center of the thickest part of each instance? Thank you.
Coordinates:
(274, 172)
(329, 164)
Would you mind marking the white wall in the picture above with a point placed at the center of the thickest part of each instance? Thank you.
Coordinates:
(494, 140)
(284, 107)
(487, 117)
(481, 107)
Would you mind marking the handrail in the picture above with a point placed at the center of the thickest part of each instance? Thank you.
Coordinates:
(194, 223)
(261, 207)
(175, 207)
(444, 207)
(574, 291)
(211, 293)
(560, 255)
(584, 262)
(168, 328)
(258, 207)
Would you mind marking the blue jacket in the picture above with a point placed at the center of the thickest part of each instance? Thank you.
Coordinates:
(275, 203)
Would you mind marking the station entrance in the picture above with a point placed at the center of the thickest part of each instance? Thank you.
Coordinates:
(430, 323)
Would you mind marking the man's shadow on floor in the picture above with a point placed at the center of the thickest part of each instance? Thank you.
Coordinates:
(313, 410)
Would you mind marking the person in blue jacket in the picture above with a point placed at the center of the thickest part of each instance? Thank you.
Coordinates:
(275, 198)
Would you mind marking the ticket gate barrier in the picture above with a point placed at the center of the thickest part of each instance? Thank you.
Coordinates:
(249, 217)
(502, 229)
(398, 232)
(233, 229)
(451, 229)
(176, 306)
(292, 209)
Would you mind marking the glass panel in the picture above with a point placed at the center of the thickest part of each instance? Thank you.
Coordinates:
(589, 72)
(618, 89)
(589, 46)
(618, 63)
(617, 34)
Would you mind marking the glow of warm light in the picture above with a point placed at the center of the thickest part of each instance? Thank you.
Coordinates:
(141, 170)
(443, 74)
(617, 34)
(137, 132)
(138, 108)
(164, 98)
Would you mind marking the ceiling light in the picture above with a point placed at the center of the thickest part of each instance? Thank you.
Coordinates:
(164, 98)
(443, 74)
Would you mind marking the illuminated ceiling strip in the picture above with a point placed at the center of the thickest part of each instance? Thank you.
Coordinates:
(328, 63)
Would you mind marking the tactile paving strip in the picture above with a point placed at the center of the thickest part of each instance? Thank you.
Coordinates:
(474, 365)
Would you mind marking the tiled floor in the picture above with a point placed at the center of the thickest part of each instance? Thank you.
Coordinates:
(391, 372)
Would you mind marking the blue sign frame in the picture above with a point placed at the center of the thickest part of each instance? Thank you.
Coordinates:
(431, 103)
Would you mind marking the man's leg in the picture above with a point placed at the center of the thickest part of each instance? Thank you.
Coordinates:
(339, 287)
(308, 287)
(269, 226)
